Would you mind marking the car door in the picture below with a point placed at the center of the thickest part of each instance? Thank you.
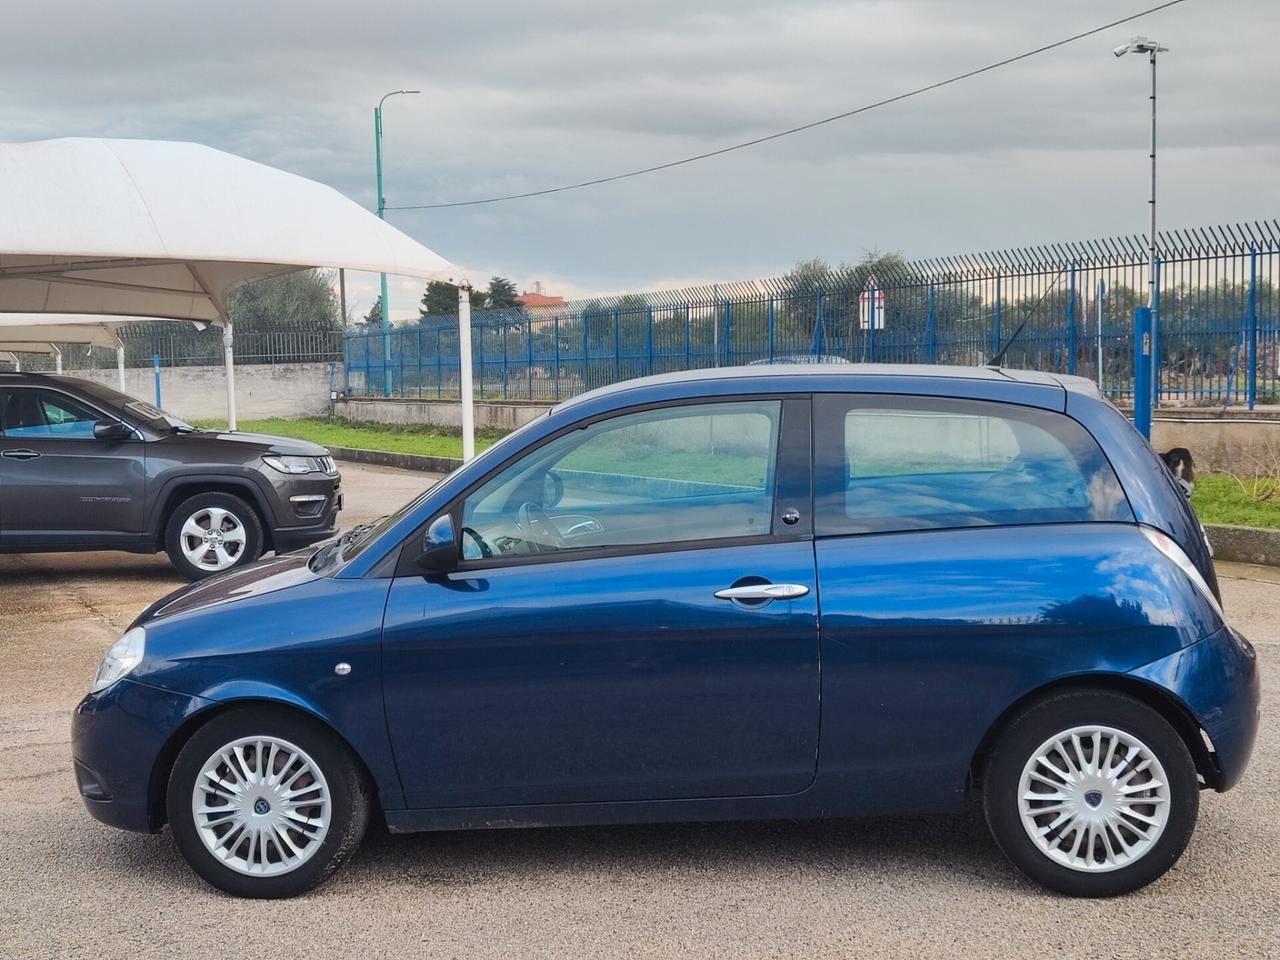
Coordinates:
(586, 650)
(963, 553)
(59, 485)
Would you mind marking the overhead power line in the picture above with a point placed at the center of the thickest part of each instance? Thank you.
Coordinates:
(800, 129)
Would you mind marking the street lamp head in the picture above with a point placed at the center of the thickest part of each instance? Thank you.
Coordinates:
(1139, 45)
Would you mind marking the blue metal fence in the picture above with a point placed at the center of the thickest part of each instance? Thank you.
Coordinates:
(1217, 330)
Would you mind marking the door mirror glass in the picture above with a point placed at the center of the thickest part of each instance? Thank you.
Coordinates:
(439, 546)
(111, 430)
(552, 489)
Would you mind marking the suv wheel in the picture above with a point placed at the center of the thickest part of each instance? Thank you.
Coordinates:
(1091, 793)
(264, 803)
(212, 533)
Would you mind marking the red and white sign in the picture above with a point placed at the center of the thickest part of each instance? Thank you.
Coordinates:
(871, 303)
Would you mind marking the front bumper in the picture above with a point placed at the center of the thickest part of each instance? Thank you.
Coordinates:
(308, 512)
(1217, 679)
(117, 738)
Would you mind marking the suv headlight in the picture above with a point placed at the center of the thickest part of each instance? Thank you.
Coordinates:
(125, 654)
(292, 464)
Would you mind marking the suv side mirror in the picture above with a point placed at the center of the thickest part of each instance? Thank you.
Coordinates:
(439, 546)
(112, 430)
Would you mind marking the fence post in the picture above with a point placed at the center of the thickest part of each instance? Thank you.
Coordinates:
(930, 327)
(1155, 337)
(726, 333)
(771, 330)
(817, 323)
(617, 348)
(479, 358)
(528, 342)
(648, 336)
(502, 329)
(439, 368)
(155, 363)
(1142, 379)
(1102, 299)
(1253, 328)
(418, 337)
(555, 331)
(688, 322)
(1071, 323)
(368, 367)
(999, 314)
(586, 345)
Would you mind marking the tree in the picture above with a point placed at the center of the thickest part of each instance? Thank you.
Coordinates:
(440, 299)
(374, 317)
(303, 300)
(502, 293)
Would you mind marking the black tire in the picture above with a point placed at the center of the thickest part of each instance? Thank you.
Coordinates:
(1056, 714)
(350, 801)
(245, 517)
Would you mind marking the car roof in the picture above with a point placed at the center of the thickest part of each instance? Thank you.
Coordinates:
(803, 376)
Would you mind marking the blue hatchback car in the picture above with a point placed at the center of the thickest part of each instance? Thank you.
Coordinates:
(783, 592)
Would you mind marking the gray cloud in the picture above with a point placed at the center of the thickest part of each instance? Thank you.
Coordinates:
(520, 96)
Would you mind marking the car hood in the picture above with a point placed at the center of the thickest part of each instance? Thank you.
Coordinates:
(257, 442)
(265, 576)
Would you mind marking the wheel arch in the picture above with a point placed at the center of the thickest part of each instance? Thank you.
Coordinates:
(182, 488)
(168, 755)
(1173, 710)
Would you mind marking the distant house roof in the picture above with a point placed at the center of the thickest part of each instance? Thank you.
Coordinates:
(541, 300)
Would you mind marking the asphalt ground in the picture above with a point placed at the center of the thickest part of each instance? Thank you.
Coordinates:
(70, 887)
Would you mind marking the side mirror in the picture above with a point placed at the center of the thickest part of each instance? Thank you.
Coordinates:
(112, 430)
(552, 490)
(439, 546)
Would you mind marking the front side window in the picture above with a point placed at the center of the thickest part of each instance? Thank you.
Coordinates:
(904, 463)
(46, 415)
(676, 474)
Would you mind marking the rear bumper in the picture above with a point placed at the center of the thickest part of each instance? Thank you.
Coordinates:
(117, 738)
(1217, 679)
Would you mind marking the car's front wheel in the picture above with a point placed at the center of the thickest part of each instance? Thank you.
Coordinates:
(212, 533)
(1092, 793)
(265, 803)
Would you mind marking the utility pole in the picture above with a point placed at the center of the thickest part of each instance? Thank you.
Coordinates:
(382, 207)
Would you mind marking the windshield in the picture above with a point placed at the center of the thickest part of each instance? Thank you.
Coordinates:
(139, 411)
(353, 543)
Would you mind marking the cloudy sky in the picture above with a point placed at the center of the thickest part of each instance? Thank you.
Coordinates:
(521, 96)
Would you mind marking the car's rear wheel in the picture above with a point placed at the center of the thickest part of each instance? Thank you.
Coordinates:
(1091, 793)
(265, 803)
(212, 533)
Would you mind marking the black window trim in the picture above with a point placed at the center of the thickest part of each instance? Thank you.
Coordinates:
(793, 431)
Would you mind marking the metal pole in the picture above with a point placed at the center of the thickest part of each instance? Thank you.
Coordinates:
(120, 364)
(1252, 382)
(1151, 240)
(464, 371)
(57, 358)
(1102, 293)
(1071, 324)
(229, 362)
(1142, 370)
(382, 206)
(155, 366)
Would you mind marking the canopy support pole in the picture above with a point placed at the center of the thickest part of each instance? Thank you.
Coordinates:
(120, 365)
(57, 358)
(17, 363)
(229, 363)
(464, 371)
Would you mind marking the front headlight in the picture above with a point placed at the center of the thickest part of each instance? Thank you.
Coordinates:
(287, 464)
(125, 654)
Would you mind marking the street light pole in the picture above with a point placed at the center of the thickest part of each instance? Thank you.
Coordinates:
(1150, 47)
(382, 207)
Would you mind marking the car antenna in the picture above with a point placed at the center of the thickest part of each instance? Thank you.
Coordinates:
(999, 357)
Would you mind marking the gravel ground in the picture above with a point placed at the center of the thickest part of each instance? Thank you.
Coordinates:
(70, 887)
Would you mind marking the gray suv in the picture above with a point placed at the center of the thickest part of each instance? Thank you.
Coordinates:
(84, 467)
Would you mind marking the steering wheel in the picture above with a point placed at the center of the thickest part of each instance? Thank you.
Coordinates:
(486, 551)
(537, 527)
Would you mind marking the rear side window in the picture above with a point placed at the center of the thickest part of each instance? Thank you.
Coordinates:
(889, 463)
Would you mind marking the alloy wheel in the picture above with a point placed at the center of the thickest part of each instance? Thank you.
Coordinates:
(212, 539)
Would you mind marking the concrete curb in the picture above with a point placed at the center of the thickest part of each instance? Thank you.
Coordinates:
(404, 461)
(1244, 544)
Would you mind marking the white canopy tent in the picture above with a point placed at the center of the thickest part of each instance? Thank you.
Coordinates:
(41, 332)
(129, 228)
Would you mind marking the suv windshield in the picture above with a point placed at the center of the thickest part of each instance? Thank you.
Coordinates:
(137, 410)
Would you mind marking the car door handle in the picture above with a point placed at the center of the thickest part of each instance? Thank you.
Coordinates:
(764, 591)
(19, 454)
